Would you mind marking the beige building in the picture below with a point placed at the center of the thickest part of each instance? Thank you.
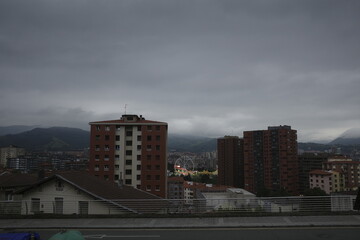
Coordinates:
(329, 181)
(10, 152)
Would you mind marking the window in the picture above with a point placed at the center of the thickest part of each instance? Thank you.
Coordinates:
(157, 177)
(138, 157)
(148, 188)
(98, 128)
(128, 152)
(35, 205)
(128, 171)
(148, 157)
(148, 148)
(157, 147)
(106, 167)
(117, 147)
(157, 137)
(117, 138)
(128, 181)
(138, 167)
(128, 143)
(107, 128)
(149, 138)
(157, 167)
(97, 157)
(96, 168)
(138, 177)
(106, 158)
(148, 177)
(157, 188)
(97, 147)
(139, 128)
(138, 147)
(106, 177)
(128, 162)
(83, 207)
(157, 128)
(97, 137)
(107, 148)
(149, 128)
(107, 137)
(139, 138)
(117, 157)
(116, 167)
(118, 127)
(129, 133)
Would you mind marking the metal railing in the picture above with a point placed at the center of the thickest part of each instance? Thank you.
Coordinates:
(249, 205)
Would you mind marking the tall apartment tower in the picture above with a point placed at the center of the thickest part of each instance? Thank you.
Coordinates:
(270, 160)
(130, 151)
(230, 161)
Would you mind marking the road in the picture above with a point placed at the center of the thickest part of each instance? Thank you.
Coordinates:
(312, 233)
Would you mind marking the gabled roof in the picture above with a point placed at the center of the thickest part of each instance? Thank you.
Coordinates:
(17, 180)
(126, 197)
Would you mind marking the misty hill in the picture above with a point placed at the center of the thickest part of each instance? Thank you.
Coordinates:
(15, 129)
(350, 137)
(51, 139)
(187, 143)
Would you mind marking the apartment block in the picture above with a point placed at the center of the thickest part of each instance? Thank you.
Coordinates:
(328, 181)
(270, 160)
(230, 161)
(10, 152)
(130, 151)
(307, 163)
(348, 168)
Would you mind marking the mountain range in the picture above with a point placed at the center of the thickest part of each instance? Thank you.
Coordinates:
(63, 138)
(48, 139)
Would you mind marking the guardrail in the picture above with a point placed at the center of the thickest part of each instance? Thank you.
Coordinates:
(61, 206)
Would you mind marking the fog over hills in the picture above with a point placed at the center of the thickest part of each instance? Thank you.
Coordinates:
(349, 137)
(63, 138)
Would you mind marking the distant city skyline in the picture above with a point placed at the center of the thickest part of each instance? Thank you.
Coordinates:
(207, 68)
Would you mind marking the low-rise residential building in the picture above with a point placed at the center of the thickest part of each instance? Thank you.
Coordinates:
(348, 168)
(10, 183)
(328, 181)
(81, 193)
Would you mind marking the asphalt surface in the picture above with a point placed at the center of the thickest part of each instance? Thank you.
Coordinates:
(167, 223)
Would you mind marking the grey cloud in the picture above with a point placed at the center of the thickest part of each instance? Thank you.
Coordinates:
(232, 64)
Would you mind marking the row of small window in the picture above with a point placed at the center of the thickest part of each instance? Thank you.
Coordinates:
(128, 143)
(127, 171)
(128, 161)
(118, 127)
(128, 152)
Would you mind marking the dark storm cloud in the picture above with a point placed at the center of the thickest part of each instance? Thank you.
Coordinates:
(234, 65)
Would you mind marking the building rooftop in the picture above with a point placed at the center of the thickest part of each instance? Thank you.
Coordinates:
(129, 119)
(17, 180)
(321, 172)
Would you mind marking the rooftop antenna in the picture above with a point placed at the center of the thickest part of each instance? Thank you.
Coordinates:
(125, 108)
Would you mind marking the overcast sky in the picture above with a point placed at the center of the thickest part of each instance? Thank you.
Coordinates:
(209, 68)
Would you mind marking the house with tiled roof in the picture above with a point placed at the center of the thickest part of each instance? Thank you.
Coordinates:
(81, 193)
(10, 183)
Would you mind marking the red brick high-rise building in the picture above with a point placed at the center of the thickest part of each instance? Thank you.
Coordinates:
(271, 161)
(230, 161)
(130, 151)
